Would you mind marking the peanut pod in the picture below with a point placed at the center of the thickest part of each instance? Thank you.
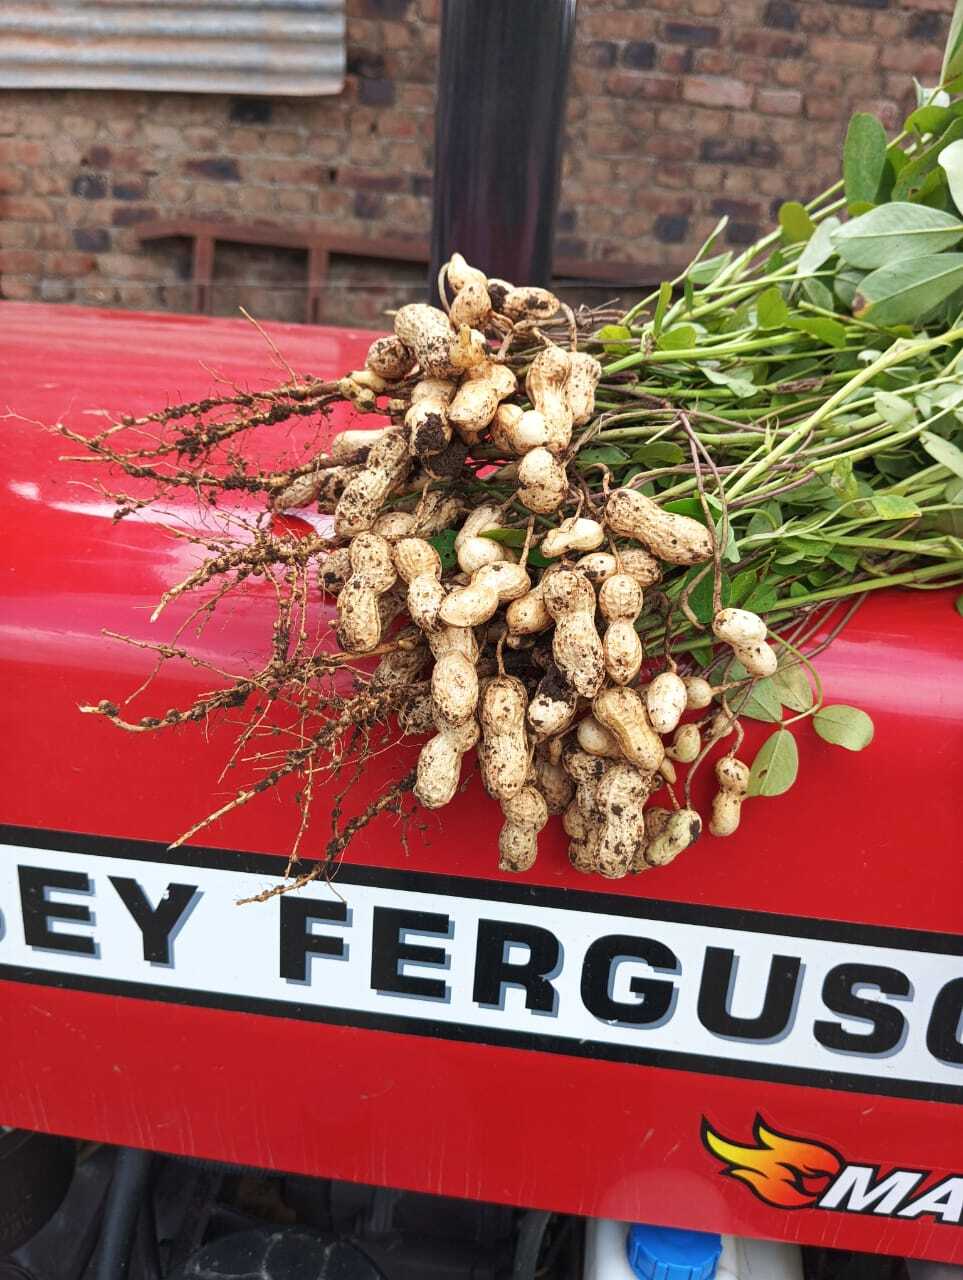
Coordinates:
(680, 830)
(527, 303)
(576, 646)
(620, 601)
(525, 815)
(671, 537)
(584, 374)
(477, 399)
(419, 566)
(575, 534)
(372, 574)
(363, 497)
(622, 712)
(439, 764)
(454, 679)
(503, 754)
(665, 701)
(517, 432)
(490, 586)
(427, 419)
(429, 336)
(542, 481)
(621, 797)
(732, 776)
(389, 358)
(546, 383)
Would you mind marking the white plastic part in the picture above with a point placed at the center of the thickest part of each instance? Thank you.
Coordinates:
(742, 1258)
(747, 1259)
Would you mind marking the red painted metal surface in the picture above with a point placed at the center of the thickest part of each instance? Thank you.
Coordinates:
(872, 838)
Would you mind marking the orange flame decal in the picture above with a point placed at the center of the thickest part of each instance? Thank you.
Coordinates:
(782, 1171)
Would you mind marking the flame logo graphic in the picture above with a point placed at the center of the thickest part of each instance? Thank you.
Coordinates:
(781, 1170)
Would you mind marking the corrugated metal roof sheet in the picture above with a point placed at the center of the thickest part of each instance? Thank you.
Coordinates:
(277, 47)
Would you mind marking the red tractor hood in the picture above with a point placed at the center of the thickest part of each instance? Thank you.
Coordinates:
(438, 1067)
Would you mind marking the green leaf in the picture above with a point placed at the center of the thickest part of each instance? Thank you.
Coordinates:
(762, 702)
(617, 340)
(842, 481)
(507, 537)
(662, 306)
(951, 162)
(701, 654)
(944, 451)
(793, 688)
(742, 387)
(795, 222)
(705, 272)
(894, 232)
(444, 544)
(514, 538)
(686, 507)
(959, 605)
(681, 337)
(767, 519)
(742, 584)
(736, 320)
(847, 285)
(906, 291)
(607, 453)
(820, 327)
(776, 765)
(847, 560)
(657, 455)
(700, 600)
(894, 409)
(819, 250)
(915, 173)
(864, 158)
(953, 50)
(929, 119)
(844, 727)
(761, 599)
(819, 294)
(771, 309)
(794, 550)
(892, 506)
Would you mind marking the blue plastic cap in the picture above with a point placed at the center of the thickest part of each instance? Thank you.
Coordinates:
(669, 1253)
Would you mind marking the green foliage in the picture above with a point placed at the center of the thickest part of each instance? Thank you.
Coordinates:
(776, 765)
(844, 727)
(864, 159)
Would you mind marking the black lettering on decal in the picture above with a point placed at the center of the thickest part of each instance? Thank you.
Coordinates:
(716, 991)
(943, 1035)
(887, 1024)
(157, 924)
(655, 994)
(296, 940)
(38, 911)
(389, 953)
(494, 971)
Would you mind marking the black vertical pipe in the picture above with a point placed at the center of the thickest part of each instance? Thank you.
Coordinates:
(502, 75)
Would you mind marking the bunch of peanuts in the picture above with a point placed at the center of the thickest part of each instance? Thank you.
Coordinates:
(540, 670)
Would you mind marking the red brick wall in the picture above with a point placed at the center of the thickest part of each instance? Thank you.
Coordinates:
(679, 111)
